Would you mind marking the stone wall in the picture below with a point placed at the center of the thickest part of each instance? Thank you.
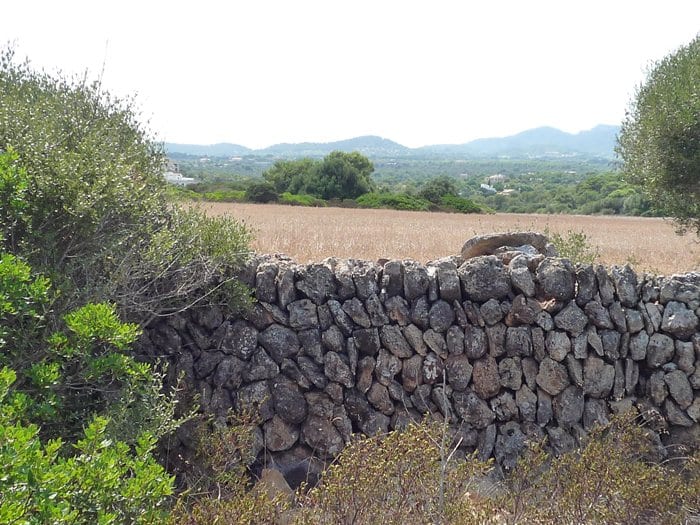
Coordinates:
(509, 347)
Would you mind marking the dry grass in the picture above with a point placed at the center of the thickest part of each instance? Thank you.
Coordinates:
(311, 234)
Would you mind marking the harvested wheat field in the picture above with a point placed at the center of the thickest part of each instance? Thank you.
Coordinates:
(312, 234)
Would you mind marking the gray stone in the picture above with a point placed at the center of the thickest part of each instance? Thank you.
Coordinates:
(288, 401)
(376, 311)
(635, 322)
(454, 339)
(579, 345)
(286, 292)
(302, 314)
(605, 285)
(392, 278)
(510, 444)
(333, 339)
(317, 282)
(365, 276)
(433, 369)
(556, 279)
(486, 442)
(322, 437)
(325, 317)
(312, 371)
(367, 341)
(611, 344)
(638, 346)
(503, 405)
(265, 283)
(415, 280)
(558, 345)
(520, 275)
(598, 377)
(544, 320)
(420, 315)
(657, 390)
(511, 373)
(484, 278)
(598, 315)
(683, 288)
(679, 320)
(472, 409)
(356, 311)
(365, 371)
(675, 415)
(459, 371)
(378, 396)
(544, 408)
(595, 412)
(388, 365)
(206, 363)
(560, 440)
(552, 376)
(660, 350)
(491, 312)
(440, 396)
(341, 319)
(412, 373)
(518, 341)
(572, 319)
(568, 406)
(342, 270)
(474, 342)
(241, 339)
(397, 310)
(255, 398)
(260, 366)
(436, 342)
(679, 388)
(337, 370)
(393, 340)
(291, 370)
(538, 349)
(487, 382)
(414, 336)
(229, 373)
(441, 316)
(654, 315)
(530, 370)
(685, 356)
(496, 336)
(594, 340)
(618, 317)
(523, 311)
(585, 283)
(631, 376)
(575, 370)
(490, 243)
(421, 399)
(693, 410)
(526, 401)
(626, 285)
(448, 282)
(279, 435)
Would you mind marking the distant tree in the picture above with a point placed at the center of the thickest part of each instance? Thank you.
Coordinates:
(289, 175)
(435, 189)
(261, 192)
(341, 176)
(659, 142)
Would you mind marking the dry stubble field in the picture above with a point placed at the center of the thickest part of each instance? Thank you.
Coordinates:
(312, 234)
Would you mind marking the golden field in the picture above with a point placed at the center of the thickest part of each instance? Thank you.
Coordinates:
(312, 234)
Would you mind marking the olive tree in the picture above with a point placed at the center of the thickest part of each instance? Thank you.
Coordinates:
(659, 142)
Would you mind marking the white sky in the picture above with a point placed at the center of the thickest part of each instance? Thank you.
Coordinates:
(260, 72)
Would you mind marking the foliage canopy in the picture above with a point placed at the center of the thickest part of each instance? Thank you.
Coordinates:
(659, 142)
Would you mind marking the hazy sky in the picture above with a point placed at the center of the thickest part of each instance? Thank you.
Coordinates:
(260, 72)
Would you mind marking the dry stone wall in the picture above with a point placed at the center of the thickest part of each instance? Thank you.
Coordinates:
(509, 347)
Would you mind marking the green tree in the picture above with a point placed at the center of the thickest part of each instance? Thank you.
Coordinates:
(659, 142)
(436, 188)
(341, 176)
(288, 175)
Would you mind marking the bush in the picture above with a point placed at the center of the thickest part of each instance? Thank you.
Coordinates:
(396, 201)
(261, 192)
(225, 196)
(575, 246)
(301, 200)
(459, 204)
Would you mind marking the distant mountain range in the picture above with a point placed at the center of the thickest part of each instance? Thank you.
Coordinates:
(538, 142)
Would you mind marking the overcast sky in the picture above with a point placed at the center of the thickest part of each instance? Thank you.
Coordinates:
(261, 72)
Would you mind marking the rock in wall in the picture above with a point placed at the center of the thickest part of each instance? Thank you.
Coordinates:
(509, 347)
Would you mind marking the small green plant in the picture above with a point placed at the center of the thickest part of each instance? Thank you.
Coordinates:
(575, 246)
(301, 200)
(459, 204)
(395, 201)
